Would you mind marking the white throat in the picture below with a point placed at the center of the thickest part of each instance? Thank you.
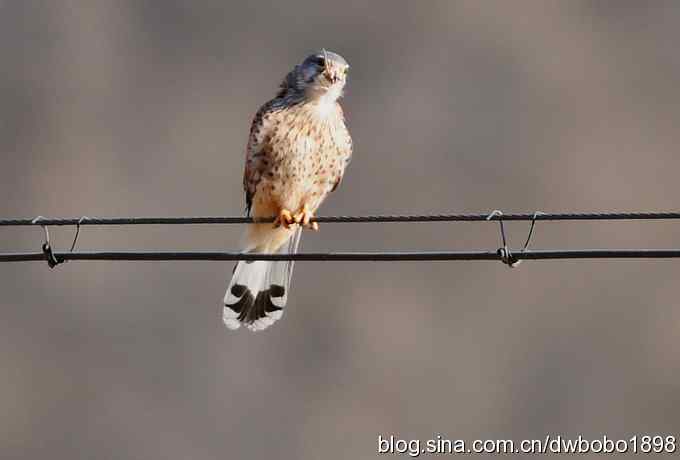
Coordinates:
(325, 103)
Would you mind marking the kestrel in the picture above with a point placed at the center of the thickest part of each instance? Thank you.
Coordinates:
(297, 152)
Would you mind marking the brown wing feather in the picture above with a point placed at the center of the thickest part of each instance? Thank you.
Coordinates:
(257, 162)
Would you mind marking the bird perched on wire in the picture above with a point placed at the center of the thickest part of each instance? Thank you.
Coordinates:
(297, 152)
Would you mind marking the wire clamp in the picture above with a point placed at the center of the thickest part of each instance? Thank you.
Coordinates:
(531, 232)
(52, 260)
(75, 238)
(504, 252)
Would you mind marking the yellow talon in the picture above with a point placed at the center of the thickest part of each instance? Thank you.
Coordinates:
(304, 217)
(284, 218)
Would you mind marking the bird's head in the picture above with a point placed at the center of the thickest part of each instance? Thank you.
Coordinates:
(321, 75)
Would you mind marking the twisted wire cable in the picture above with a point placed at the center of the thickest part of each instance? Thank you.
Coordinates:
(461, 217)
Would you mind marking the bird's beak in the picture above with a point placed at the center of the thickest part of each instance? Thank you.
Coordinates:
(331, 76)
(327, 70)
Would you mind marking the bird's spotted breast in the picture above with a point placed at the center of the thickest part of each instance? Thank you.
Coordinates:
(301, 156)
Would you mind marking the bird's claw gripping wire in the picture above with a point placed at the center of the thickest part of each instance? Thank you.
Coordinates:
(284, 218)
(304, 218)
(504, 252)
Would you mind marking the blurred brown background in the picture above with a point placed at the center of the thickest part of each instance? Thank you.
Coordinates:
(116, 108)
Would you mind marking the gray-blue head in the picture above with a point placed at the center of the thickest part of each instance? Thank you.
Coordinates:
(320, 75)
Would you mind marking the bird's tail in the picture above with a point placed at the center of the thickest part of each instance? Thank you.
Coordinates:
(258, 290)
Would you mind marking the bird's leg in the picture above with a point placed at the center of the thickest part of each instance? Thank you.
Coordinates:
(284, 218)
(303, 218)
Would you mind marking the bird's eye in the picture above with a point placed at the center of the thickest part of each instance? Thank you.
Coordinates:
(319, 60)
